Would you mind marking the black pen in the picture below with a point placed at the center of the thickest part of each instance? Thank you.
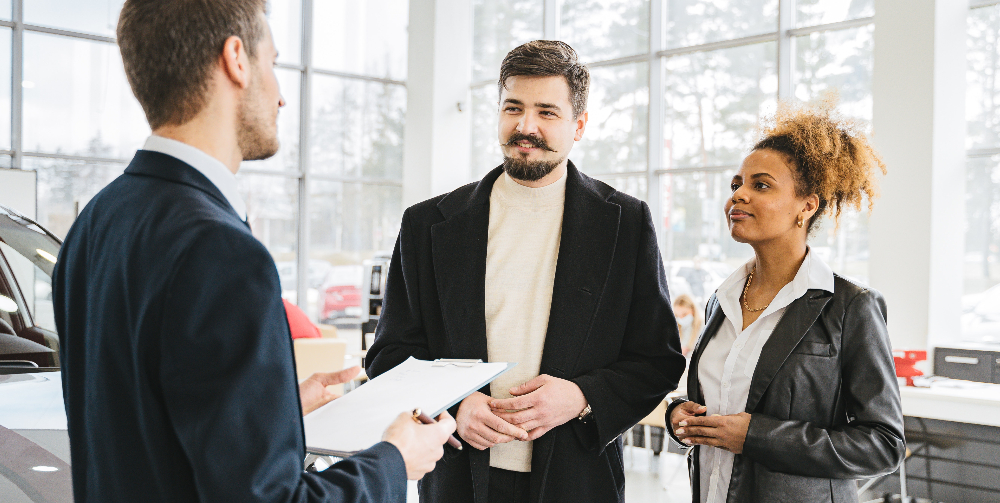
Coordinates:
(422, 418)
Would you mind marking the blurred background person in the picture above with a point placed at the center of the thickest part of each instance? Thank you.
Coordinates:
(689, 321)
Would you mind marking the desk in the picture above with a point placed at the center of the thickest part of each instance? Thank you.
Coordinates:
(979, 405)
(954, 435)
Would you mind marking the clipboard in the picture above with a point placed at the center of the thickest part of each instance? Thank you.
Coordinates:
(357, 420)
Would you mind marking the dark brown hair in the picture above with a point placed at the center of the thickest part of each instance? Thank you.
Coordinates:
(168, 49)
(547, 58)
(829, 153)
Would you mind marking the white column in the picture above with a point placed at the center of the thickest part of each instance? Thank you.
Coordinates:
(916, 240)
(438, 109)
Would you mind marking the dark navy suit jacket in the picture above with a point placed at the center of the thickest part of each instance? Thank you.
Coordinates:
(178, 373)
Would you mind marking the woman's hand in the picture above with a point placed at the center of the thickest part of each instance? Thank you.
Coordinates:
(684, 411)
(725, 432)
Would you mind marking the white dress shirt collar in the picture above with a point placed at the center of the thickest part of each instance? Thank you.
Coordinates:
(812, 274)
(212, 168)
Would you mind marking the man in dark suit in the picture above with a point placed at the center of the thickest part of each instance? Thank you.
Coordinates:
(177, 374)
(541, 265)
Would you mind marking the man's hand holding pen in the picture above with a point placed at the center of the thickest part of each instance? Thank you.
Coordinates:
(421, 445)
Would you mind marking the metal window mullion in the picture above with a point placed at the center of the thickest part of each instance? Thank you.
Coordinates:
(16, 87)
(654, 140)
(975, 4)
(69, 33)
(550, 19)
(289, 66)
(305, 104)
(354, 76)
(696, 169)
(73, 157)
(839, 25)
(319, 177)
(270, 172)
(786, 49)
(715, 46)
(637, 58)
(618, 174)
(981, 152)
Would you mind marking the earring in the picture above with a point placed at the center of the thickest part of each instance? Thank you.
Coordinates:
(800, 222)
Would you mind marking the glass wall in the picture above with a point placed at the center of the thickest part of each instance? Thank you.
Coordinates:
(981, 299)
(677, 89)
(345, 68)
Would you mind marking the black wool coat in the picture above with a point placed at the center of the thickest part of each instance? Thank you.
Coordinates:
(824, 402)
(611, 329)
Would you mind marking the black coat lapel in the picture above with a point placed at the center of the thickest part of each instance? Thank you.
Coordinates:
(715, 319)
(458, 248)
(798, 317)
(586, 250)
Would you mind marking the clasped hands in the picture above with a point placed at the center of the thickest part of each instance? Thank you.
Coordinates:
(537, 406)
(725, 432)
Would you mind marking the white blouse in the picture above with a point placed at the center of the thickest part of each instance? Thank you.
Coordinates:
(726, 367)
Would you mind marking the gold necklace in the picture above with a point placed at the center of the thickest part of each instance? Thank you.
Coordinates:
(746, 289)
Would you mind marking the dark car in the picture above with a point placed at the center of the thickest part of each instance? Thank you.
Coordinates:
(34, 446)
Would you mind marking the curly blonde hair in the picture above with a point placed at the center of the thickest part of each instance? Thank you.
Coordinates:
(831, 156)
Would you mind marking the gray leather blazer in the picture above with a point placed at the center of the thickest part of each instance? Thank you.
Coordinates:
(824, 401)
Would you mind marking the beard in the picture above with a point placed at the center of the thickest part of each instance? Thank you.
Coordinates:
(520, 168)
(528, 171)
(254, 136)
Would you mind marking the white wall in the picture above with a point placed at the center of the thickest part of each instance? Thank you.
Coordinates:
(437, 138)
(917, 228)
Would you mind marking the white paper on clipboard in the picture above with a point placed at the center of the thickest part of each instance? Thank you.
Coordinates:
(357, 420)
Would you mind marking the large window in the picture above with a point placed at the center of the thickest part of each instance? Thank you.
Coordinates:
(331, 196)
(981, 299)
(677, 88)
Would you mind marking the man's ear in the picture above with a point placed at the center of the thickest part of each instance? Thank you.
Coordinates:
(581, 125)
(235, 62)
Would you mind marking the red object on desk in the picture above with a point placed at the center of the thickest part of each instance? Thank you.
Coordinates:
(905, 361)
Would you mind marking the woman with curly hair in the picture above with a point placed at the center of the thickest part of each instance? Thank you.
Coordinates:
(792, 393)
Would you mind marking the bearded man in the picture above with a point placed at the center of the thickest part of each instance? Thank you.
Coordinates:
(178, 375)
(541, 265)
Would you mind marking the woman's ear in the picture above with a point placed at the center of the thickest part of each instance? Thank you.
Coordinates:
(810, 207)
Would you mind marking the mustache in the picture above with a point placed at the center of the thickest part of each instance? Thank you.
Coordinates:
(536, 141)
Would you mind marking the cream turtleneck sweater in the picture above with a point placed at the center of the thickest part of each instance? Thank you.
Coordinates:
(521, 252)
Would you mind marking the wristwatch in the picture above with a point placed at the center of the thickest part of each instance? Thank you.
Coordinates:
(585, 414)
